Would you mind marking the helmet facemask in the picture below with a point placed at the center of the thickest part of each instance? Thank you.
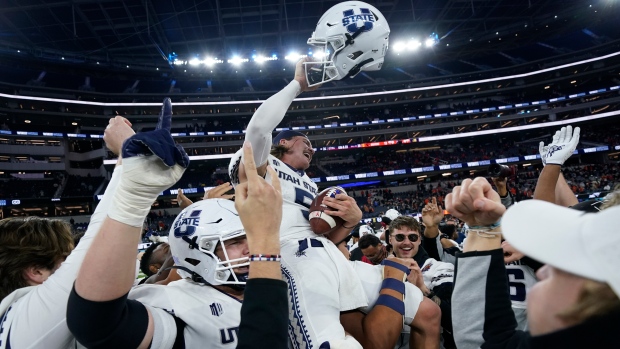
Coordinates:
(197, 232)
(224, 269)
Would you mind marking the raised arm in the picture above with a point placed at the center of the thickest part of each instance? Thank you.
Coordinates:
(269, 115)
(50, 298)
(482, 316)
(259, 205)
(553, 157)
(99, 313)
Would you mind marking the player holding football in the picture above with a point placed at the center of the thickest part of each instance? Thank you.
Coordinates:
(326, 291)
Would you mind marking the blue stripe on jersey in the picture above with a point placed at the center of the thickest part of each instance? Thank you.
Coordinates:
(4, 317)
(298, 333)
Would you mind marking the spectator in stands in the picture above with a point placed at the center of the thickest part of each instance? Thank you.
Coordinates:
(373, 249)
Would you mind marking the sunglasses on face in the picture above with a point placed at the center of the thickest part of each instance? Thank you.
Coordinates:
(401, 237)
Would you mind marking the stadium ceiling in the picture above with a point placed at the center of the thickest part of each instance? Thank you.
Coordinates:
(147, 32)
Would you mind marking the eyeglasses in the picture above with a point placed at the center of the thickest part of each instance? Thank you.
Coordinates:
(401, 237)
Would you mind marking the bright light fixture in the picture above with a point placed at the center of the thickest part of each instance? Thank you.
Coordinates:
(236, 60)
(294, 56)
(399, 46)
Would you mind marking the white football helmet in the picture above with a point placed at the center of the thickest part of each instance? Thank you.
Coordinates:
(353, 36)
(392, 214)
(196, 233)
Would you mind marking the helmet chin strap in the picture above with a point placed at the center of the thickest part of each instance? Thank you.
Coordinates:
(195, 276)
(240, 277)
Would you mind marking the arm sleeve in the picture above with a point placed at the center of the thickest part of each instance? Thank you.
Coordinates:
(264, 299)
(507, 200)
(435, 250)
(47, 303)
(482, 315)
(266, 118)
(117, 323)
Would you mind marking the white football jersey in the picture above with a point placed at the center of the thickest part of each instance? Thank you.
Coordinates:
(211, 316)
(298, 191)
(436, 273)
(521, 278)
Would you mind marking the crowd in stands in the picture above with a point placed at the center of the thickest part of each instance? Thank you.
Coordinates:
(81, 186)
(26, 188)
(582, 179)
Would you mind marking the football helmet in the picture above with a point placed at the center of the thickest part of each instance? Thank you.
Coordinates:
(196, 233)
(353, 36)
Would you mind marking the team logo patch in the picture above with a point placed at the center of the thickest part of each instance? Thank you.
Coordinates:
(186, 224)
(216, 309)
(426, 267)
(351, 19)
(553, 149)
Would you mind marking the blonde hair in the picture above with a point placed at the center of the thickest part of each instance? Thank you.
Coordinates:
(596, 299)
(612, 199)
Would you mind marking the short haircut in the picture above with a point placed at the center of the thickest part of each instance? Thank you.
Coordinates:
(367, 241)
(145, 261)
(405, 222)
(30, 242)
(448, 229)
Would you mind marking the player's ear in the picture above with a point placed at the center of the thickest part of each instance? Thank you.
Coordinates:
(154, 268)
(36, 275)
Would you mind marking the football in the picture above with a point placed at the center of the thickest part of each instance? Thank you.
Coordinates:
(320, 222)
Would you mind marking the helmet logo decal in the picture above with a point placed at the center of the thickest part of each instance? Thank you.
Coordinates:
(186, 226)
(351, 19)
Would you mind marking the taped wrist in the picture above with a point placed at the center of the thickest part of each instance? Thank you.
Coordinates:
(143, 179)
(118, 323)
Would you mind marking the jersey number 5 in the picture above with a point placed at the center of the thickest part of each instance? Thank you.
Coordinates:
(304, 198)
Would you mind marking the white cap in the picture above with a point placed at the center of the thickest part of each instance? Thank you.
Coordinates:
(366, 229)
(584, 244)
(392, 214)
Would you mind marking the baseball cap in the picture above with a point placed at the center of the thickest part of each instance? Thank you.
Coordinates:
(584, 244)
(285, 135)
(392, 214)
(365, 229)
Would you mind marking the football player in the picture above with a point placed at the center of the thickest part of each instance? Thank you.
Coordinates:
(326, 292)
(208, 244)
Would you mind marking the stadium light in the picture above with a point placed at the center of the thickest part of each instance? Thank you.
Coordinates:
(236, 60)
(194, 62)
(260, 58)
(429, 42)
(294, 56)
(399, 46)
(210, 61)
(319, 54)
(413, 45)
